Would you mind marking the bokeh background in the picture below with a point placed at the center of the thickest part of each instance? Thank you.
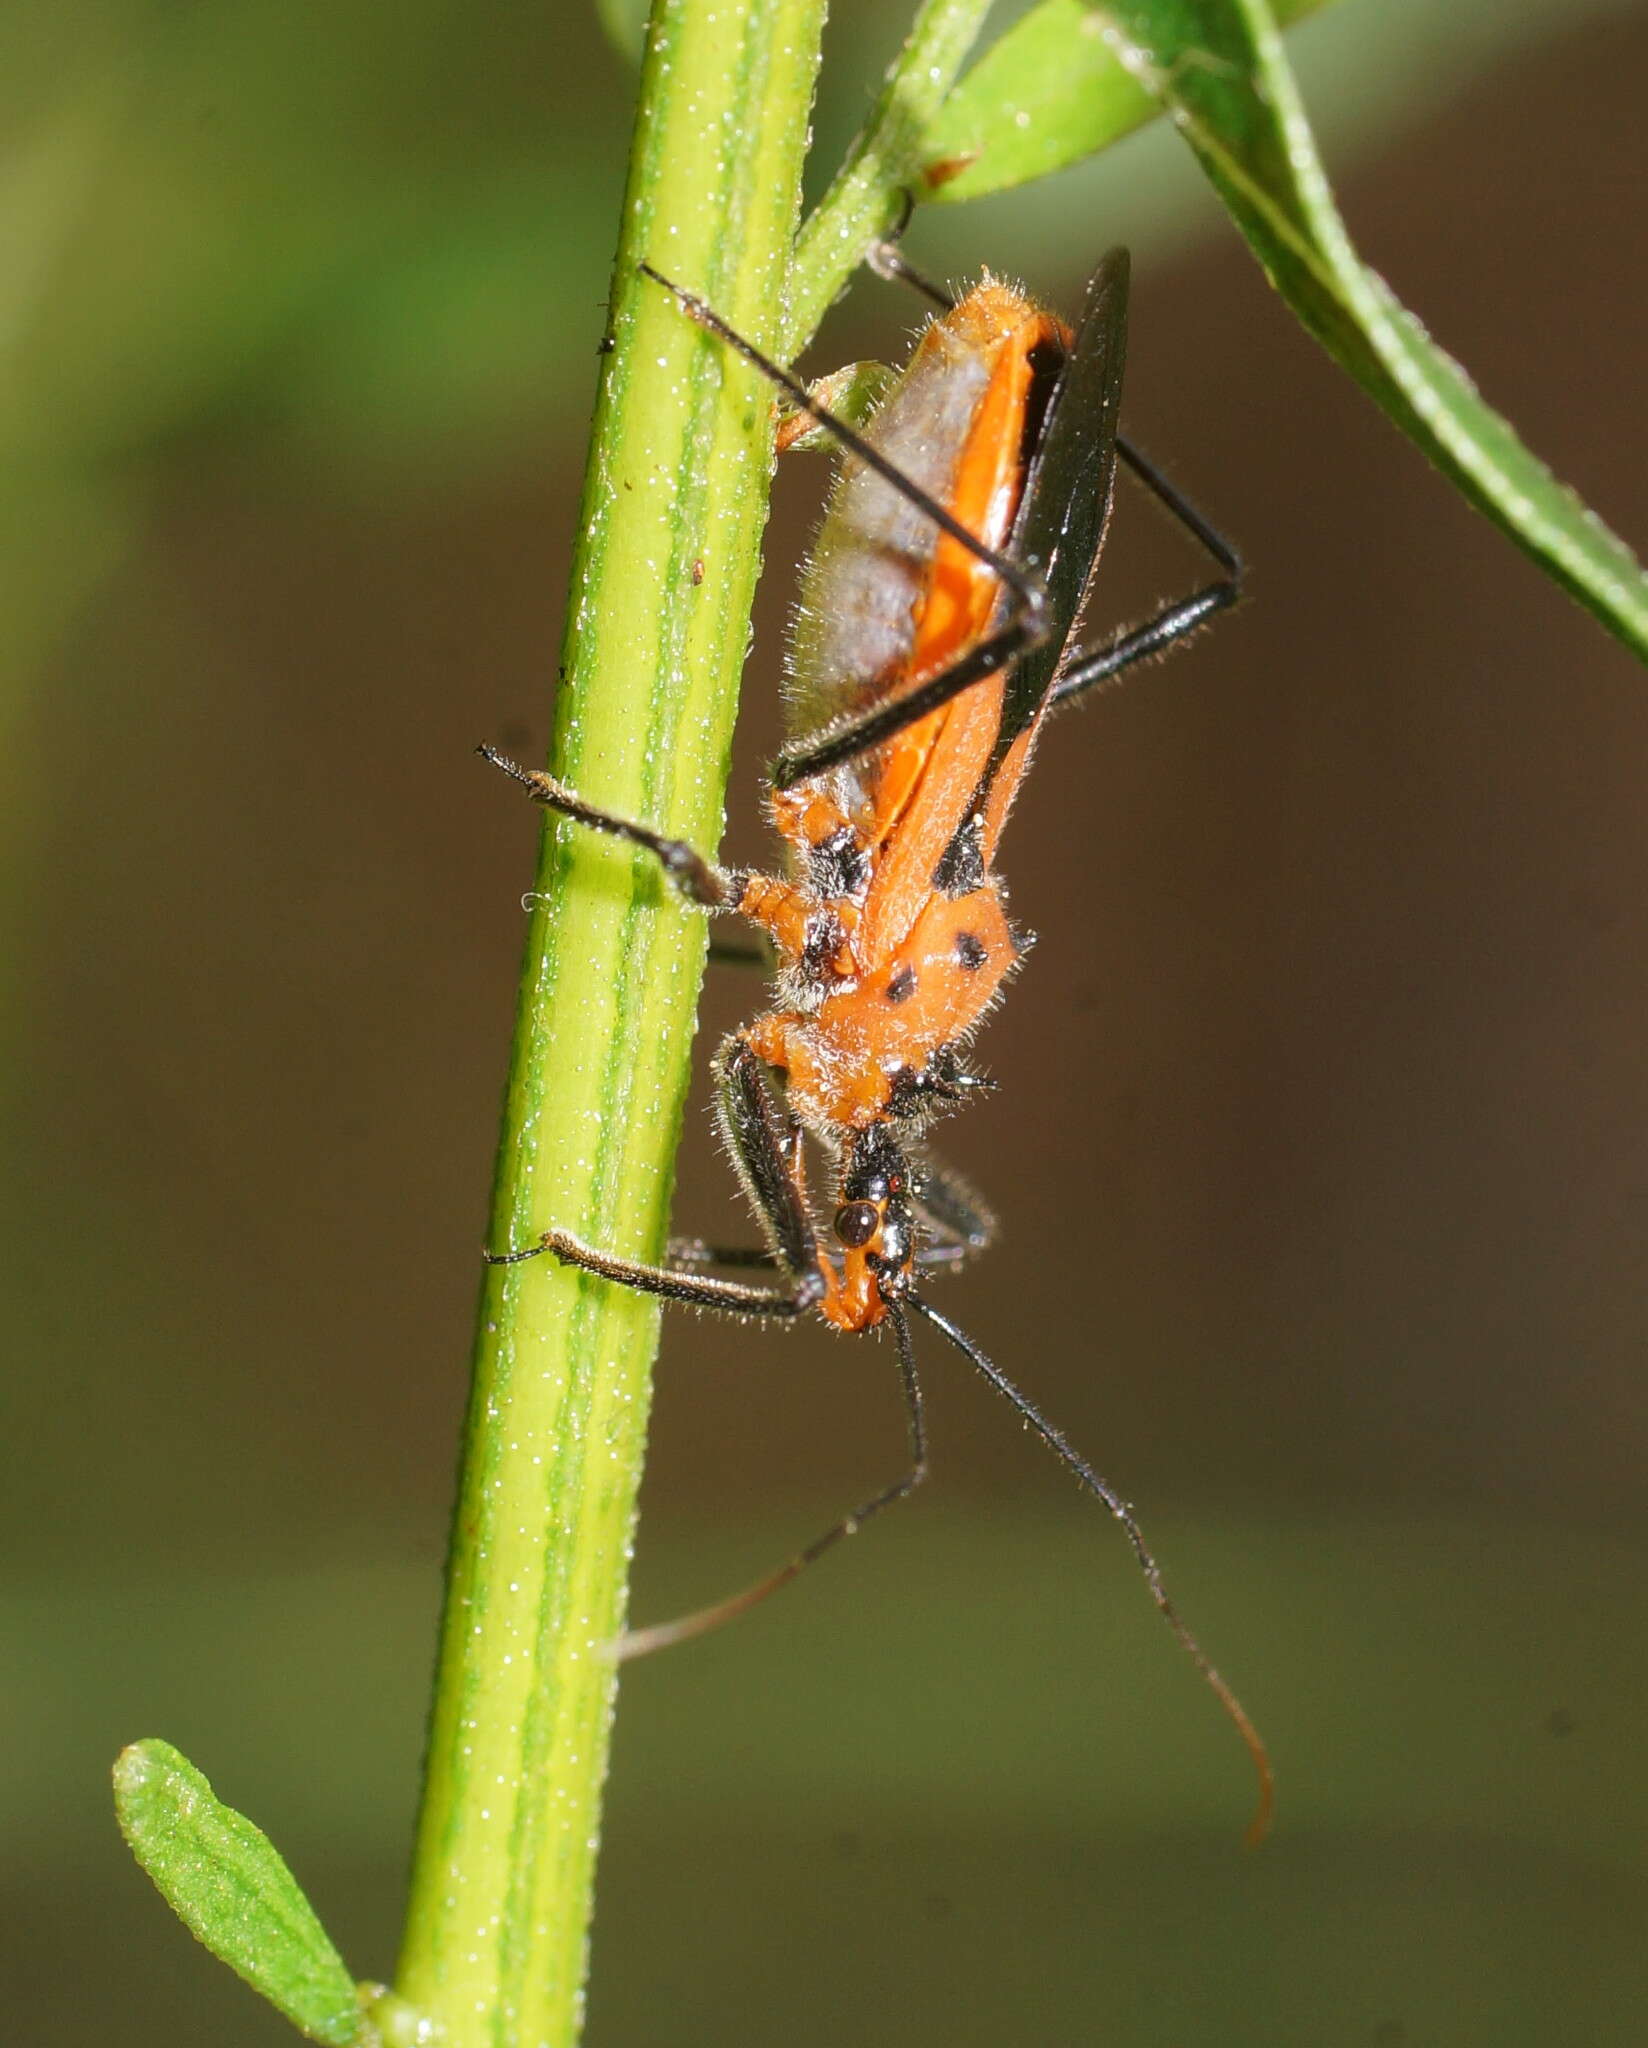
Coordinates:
(1321, 1152)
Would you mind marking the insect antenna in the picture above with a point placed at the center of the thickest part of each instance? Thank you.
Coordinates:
(641, 1642)
(1071, 1458)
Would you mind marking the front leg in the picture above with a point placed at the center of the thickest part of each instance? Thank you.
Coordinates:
(698, 879)
(766, 1147)
(786, 915)
(697, 1290)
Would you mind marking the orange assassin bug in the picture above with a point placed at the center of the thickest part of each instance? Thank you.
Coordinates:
(933, 638)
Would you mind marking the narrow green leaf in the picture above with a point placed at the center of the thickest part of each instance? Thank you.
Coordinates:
(1043, 96)
(226, 1882)
(1218, 68)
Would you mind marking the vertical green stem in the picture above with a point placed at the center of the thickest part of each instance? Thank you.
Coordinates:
(662, 586)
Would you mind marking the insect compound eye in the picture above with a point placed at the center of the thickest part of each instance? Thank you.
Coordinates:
(856, 1223)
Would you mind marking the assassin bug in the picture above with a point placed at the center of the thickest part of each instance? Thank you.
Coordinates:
(934, 637)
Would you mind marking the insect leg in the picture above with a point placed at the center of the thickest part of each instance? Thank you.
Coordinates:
(886, 258)
(1067, 1454)
(765, 1145)
(1024, 586)
(641, 1642)
(888, 261)
(1174, 621)
(1023, 628)
(765, 1142)
(698, 879)
(955, 1224)
(697, 1290)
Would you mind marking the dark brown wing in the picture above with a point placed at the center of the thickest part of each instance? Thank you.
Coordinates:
(1066, 505)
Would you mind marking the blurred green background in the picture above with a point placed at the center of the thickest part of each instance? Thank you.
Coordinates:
(1321, 1148)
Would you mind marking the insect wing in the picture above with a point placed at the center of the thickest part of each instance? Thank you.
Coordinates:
(1066, 504)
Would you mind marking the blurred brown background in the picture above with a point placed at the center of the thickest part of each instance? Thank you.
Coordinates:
(1321, 1150)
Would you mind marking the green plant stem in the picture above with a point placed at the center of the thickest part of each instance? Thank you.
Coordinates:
(662, 586)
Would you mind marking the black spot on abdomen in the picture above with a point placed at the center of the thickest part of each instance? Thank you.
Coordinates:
(971, 951)
(902, 986)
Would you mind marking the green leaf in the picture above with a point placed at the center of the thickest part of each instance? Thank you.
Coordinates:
(1046, 94)
(1218, 68)
(226, 1882)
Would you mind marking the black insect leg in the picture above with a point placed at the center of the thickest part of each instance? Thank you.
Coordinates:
(888, 261)
(852, 440)
(698, 879)
(1139, 643)
(885, 256)
(1025, 625)
(1023, 628)
(936, 1251)
(640, 1642)
(955, 1225)
(765, 1146)
(696, 1290)
(1174, 621)
(765, 1143)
